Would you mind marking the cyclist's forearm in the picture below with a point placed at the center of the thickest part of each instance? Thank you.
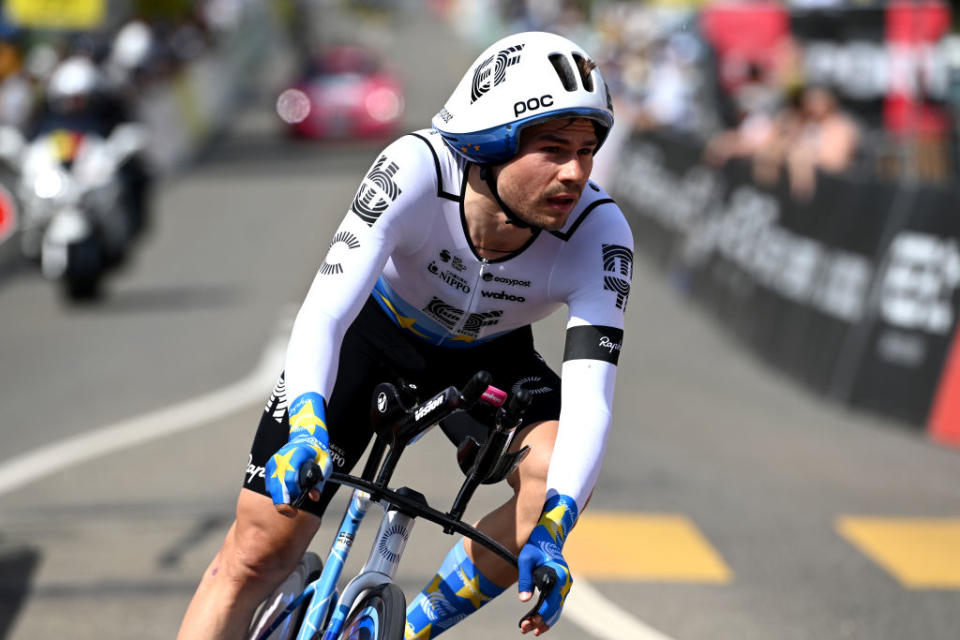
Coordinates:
(587, 399)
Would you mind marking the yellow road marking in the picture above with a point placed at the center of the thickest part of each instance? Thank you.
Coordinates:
(922, 553)
(622, 546)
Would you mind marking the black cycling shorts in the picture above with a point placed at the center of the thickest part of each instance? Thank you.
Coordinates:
(376, 350)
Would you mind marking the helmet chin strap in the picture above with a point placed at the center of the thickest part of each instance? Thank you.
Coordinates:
(486, 174)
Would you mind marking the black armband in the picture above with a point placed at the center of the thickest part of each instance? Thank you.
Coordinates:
(593, 342)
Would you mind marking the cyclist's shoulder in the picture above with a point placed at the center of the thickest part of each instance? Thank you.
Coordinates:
(597, 217)
(424, 153)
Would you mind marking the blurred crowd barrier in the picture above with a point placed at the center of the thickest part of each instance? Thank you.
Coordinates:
(853, 292)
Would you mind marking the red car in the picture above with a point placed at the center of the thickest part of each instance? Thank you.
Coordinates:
(346, 93)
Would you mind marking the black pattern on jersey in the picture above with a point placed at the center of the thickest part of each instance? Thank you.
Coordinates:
(342, 242)
(377, 192)
(444, 313)
(493, 71)
(617, 271)
(477, 321)
(277, 404)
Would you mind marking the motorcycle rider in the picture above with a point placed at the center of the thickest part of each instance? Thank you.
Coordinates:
(79, 99)
(458, 239)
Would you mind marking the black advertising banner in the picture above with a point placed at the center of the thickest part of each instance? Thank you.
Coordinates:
(916, 302)
(854, 292)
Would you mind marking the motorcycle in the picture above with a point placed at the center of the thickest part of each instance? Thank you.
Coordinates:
(80, 214)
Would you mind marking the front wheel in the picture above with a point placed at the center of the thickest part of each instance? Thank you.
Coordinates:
(380, 615)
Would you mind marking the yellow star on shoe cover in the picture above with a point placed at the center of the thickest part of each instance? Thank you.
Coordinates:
(553, 521)
(283, 464)
(307, 419)
(435, 585)
(423, 634)
(471, 590)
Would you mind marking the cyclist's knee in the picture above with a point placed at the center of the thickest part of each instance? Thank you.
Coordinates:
(263, 546)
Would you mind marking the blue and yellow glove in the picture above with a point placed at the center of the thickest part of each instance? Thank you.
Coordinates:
(308, 441)
(545, 549)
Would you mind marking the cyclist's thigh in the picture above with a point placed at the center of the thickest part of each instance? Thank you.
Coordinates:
(262, 536)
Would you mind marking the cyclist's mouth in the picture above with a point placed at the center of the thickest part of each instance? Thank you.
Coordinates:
(561, 203)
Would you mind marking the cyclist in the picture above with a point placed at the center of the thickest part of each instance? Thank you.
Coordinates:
(458, 239)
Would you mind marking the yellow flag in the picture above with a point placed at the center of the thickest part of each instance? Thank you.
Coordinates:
(57, 14)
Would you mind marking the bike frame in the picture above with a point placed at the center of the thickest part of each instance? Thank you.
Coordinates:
(401, 507)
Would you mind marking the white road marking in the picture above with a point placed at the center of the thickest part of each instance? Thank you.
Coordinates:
(588, 609)
(40, 463)
(585, 606)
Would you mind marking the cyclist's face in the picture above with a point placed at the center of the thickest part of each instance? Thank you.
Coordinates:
(543, 182)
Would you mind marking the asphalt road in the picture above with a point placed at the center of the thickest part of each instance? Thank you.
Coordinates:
(113, 545)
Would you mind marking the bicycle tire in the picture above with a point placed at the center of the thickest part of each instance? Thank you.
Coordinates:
(380, 615)
(308, 570)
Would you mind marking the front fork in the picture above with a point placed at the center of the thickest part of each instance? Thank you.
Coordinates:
(380, 568)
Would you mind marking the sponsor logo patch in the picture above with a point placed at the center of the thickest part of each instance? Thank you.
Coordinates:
(343, 242)
(449, 277)
(593, 342)
(444, 313)
(502, 295)
(493, 71)
(377, 192)
(617, 272)
(477, 321)
(510, 282)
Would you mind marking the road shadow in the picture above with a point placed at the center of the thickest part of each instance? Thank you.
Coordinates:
(17, 567)
(152, 300)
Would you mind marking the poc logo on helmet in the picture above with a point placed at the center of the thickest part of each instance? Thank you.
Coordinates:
(532, 104)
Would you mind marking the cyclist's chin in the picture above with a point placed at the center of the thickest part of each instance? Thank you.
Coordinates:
(549, 220)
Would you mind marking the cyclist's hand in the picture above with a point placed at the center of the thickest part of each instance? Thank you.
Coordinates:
(308, 441)
(545, 549)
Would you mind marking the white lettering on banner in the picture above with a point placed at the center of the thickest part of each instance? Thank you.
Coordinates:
(922, 275)
(427, 408)
(843, 282)
(869, 70)
(745, 230)
(902, 349)
(677, 202)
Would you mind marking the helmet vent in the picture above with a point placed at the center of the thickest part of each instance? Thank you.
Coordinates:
(564, 70)
(585, 66)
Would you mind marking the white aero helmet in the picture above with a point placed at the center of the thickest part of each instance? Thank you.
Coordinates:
(75, 77)
(520, 80)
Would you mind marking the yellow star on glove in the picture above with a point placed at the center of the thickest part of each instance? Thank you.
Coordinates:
(552, 521)
(283, 464)
(306, 419)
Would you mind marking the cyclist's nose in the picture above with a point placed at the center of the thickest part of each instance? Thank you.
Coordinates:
(576, 169)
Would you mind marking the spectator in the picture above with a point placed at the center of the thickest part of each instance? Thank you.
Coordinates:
(826, 139)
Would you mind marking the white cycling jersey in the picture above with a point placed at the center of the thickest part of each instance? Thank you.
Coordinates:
(405, 240)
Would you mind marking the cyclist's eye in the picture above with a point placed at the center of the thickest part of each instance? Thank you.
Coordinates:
(551, 149)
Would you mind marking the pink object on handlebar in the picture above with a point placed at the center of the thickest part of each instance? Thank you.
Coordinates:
(494, 397)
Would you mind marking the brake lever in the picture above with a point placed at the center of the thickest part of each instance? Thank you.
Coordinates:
(544, 579)
(307, 478)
